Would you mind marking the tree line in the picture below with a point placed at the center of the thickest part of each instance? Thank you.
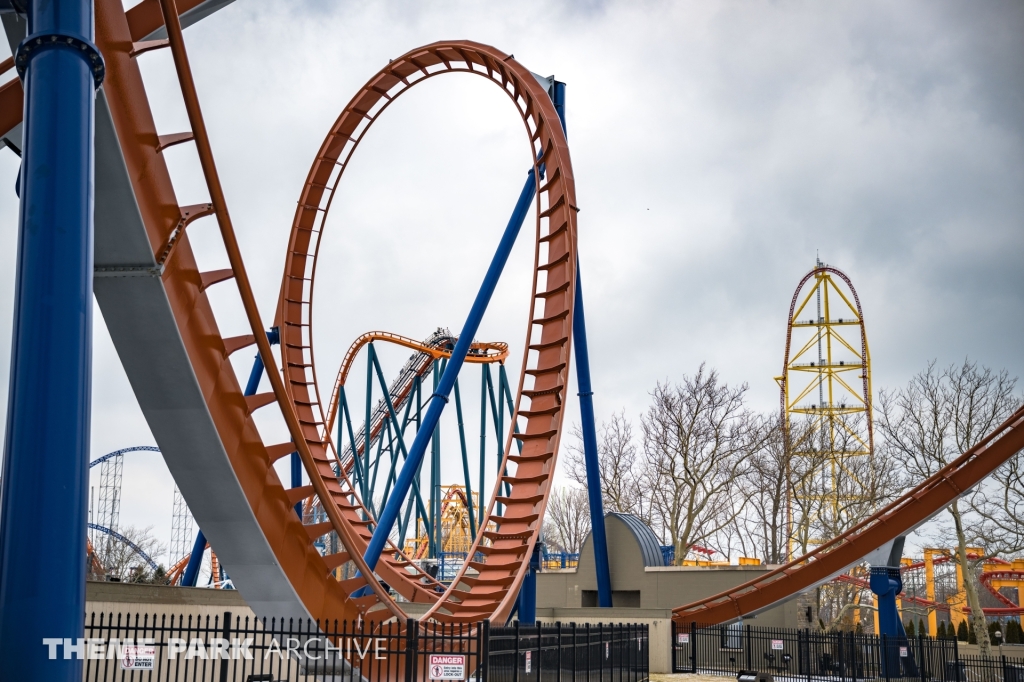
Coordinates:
(707, 472)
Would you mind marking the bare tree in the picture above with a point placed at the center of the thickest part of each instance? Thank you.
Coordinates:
(859, 484)
(123, 562)
(766, 486)
(1001, 508)
(621, 484)
(938, 416)
(696, 436)
(567, 522)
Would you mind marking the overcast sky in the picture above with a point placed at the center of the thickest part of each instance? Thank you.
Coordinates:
(718, 147)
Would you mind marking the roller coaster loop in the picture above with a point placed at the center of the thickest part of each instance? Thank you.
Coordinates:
(492, 592)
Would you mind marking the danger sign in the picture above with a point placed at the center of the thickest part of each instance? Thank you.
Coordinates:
(683, 637)
(447, 666)
(138, 657)
(776, 645)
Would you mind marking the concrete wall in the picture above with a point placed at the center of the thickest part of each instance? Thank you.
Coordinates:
(659, 621)
(161, 600)
(650, 587)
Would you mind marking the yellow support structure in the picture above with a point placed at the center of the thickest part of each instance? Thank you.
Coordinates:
(826, 393)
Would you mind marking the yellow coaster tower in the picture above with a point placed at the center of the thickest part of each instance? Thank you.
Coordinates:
(826, 408)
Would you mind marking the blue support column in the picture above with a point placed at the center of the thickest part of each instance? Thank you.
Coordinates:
(444, 387)
(528, 591)
(597, 532)
(195, 561)
(46, 466)
(251, 387)
(887, 583)
(588, 425)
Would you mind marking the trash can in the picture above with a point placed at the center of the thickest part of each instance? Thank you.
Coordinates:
(754, 676)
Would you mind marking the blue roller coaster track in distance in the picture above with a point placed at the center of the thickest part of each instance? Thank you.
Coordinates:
(117, 536)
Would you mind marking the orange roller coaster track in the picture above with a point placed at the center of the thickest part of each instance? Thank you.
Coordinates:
(492, 592)
(154, 300)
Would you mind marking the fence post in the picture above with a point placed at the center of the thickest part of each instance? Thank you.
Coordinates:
(540, 648)
(515, 669)
(411, 633)
(693, 647)
(558, 631)
(485, 647)
(840, 660)
(804, 651)
(590, 653)
(885, 656)
(226, 633)
(746, 643)
(1005, 678)
(575, 655)
(956, 659)
(920, 657)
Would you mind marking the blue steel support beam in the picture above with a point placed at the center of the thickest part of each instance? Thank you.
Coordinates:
(444, 387)
(46, 459)
(251, 387)
(195, 560)
(579, 340)
(887, 583)
(528, 592)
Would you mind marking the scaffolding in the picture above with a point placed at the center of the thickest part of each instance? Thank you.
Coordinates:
(108, 509)
(181, 529)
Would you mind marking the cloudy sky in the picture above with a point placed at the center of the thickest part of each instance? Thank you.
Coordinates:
(718, 147)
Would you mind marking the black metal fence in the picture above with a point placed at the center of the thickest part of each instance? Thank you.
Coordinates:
(811, 655)
(568, 653)
(230, 649)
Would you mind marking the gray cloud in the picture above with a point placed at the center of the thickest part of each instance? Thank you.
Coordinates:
(717, 148)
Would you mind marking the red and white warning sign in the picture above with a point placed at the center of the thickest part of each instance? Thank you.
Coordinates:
(447, 666)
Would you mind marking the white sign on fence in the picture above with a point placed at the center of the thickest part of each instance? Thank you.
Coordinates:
(137, 657)
(529, 658)
(447, 666)
(683, 637)
(903, 652)
(776, 645)
(607, 650)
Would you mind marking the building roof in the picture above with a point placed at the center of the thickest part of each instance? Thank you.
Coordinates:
(650, 545)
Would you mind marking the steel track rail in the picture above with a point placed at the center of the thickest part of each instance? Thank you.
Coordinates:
(480, 353)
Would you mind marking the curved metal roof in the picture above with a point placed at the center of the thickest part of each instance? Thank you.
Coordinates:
(650, 545)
